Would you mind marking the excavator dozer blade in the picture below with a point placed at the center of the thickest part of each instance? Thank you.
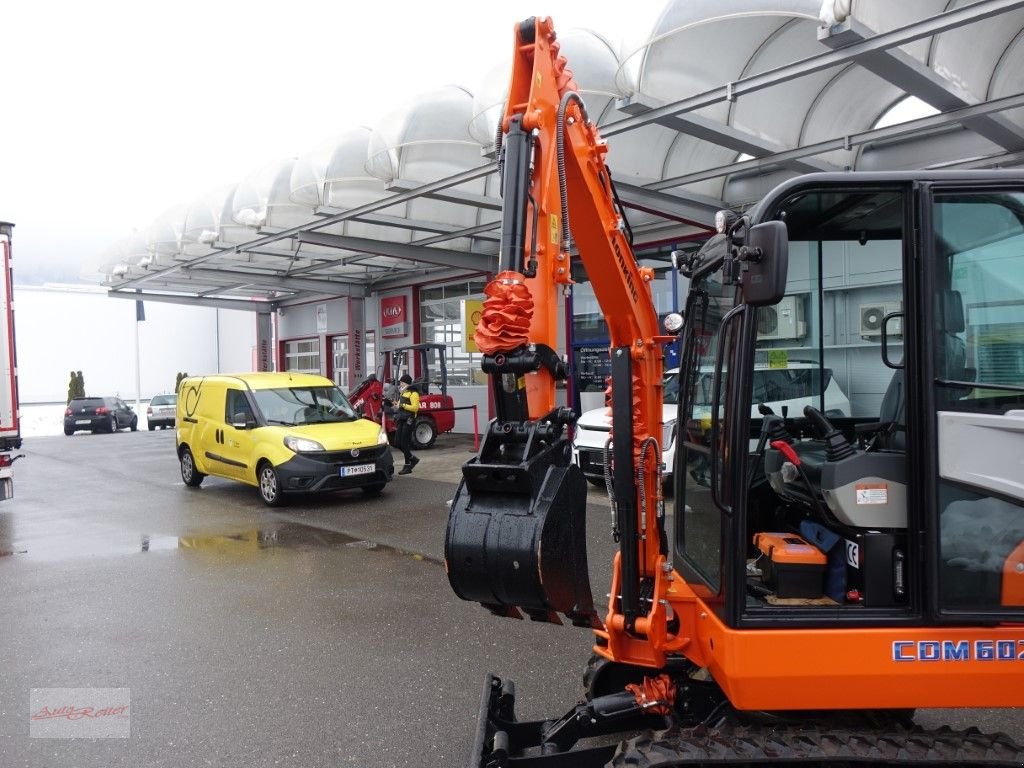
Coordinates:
(516, 537)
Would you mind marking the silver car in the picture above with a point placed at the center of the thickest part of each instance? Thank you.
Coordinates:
(160, 412)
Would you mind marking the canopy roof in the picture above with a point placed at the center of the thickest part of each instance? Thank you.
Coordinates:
(724, 99)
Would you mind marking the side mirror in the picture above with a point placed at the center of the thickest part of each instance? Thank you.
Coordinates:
(243, 421)
(764, 278)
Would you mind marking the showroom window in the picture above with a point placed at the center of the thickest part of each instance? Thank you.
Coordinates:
(302, 356)
(441, 323)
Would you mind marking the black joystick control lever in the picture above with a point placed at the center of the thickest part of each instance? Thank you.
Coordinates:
(773, 428)
(837, 447)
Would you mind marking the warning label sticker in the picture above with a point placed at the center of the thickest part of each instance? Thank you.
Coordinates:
(872, 493)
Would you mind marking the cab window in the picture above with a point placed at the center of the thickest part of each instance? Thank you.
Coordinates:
(237, 408)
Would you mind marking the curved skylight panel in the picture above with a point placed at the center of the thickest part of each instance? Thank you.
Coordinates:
(125, 258)
(263, 199)
(432, 133)
(850, 103)
(1008, 78)
(777, 114)
(489, 97)
(958, 56)
(697, 45)
(426, 142)
(308, 173)
(348, 185)
(202, 222)
(163, 236)
(231, 231)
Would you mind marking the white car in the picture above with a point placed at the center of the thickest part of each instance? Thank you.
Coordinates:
(790, 389)
(594, 426)
(161, 411)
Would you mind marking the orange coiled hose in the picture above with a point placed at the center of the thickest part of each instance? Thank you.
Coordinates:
(508, 311)
(656, 695)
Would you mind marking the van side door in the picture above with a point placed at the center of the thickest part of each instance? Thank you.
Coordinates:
(237, 442)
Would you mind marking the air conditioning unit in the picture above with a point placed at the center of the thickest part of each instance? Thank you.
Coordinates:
(872, 315)
(785, 320)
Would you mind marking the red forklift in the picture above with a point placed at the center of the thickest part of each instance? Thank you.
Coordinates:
(419, 361)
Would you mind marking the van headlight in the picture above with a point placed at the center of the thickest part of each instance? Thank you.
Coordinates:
(668, 434)
(301, 444)
(382, 437)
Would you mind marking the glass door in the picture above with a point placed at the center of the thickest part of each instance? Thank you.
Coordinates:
(977, 358)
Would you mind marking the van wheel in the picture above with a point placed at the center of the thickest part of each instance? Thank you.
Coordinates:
(191, 476)
(269, 485)
(424, 433)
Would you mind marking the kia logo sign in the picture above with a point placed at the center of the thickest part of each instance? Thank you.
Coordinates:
(392, 317)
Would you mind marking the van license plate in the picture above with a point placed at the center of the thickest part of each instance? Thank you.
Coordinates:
(358, 469)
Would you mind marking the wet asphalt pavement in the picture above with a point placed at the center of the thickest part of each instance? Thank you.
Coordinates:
(322, 635)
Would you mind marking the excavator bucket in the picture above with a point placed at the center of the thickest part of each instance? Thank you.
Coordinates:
(516, 537)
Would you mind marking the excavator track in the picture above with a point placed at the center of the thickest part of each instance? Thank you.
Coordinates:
(739, 746)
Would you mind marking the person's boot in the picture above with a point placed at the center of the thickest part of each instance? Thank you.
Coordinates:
(405, 470)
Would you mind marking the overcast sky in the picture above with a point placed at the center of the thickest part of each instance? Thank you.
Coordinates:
(113, 112)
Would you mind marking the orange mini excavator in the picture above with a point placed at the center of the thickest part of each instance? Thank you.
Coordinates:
(847, 536)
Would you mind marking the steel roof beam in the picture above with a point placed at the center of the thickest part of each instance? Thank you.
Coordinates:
(890, 133)
(718, 133)
(449, 195)
(244, 305)
(281, 282)
(916, 79)
(398, 222)
(402, 281)
(698, 210)
(437, 256)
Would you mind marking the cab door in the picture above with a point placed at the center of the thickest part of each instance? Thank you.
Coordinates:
(236, 443)
(975, 357)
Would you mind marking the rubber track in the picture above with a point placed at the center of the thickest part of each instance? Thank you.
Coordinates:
(743, 745)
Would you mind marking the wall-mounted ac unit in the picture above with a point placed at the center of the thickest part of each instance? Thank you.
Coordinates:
(871, 316)
(785, 320)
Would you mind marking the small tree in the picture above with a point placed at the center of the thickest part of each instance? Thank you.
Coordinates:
(80, 386)
(72, 387)
(177, 381)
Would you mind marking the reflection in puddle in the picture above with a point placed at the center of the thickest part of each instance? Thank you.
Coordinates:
(245, 543)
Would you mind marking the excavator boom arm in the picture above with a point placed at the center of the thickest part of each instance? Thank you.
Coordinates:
(559, 200)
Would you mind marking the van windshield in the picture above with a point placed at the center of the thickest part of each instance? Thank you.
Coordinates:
(304, 405)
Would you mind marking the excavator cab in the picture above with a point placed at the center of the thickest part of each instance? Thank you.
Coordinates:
(892, 501)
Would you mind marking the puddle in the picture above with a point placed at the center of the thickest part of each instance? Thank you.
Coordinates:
(240, 544)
